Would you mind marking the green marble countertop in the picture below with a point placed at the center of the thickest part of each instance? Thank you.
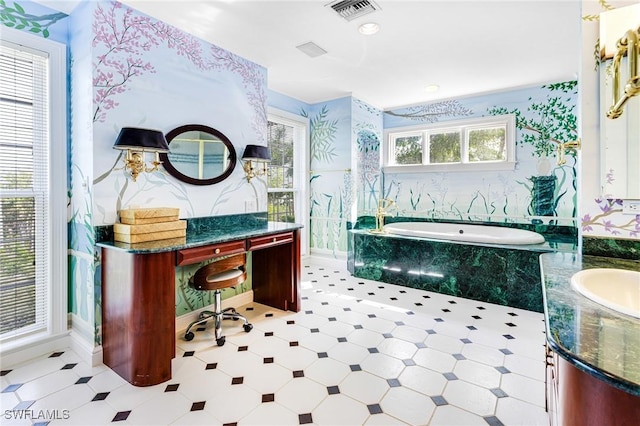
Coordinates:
(592, 337)
(203, 237)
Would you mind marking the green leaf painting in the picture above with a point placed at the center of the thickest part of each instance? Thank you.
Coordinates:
(547, 123)
(16, 17)
(323, 134)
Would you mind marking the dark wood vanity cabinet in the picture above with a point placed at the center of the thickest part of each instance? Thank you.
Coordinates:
(276, 270)
(138, 315)
(138, 298)
(575, 397)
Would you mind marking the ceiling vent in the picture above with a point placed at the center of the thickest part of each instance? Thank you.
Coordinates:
(352, 9)
(311, 49)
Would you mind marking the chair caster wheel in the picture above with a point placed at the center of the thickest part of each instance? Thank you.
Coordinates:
(247, 327)
(189, 336)
(220, 341)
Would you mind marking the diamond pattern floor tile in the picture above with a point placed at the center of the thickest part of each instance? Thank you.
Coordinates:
(358, 352)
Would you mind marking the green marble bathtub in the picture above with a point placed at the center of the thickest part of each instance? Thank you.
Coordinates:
(504, 275)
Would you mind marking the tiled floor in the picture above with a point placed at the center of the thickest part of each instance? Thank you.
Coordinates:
(359, 352)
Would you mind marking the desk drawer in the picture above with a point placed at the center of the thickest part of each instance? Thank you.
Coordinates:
(258, 243)
(198, 254)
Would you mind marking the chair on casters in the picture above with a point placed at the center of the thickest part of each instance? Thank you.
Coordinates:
(215, 276)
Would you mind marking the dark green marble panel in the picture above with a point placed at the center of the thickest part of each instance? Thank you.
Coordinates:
(103, 233)
(490, 274)
(611, 247)
(227, 223)
(350, 249)
(542, 196)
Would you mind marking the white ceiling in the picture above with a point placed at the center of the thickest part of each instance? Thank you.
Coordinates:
(465, 47)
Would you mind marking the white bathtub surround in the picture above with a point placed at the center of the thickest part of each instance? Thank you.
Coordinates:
(465, 233)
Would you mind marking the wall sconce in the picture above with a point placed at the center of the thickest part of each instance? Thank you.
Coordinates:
(255, 156)
(612, 23)
(136, 142)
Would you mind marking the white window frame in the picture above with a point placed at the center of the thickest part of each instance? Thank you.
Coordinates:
(301, 170)
(57, 281)
(463, 126)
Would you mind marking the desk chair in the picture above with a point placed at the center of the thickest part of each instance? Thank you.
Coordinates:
(215, 276)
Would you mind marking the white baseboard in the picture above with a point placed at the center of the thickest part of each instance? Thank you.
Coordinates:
(328, 254)
(35, 348)
(183, 321)
(89, 353)
(82, 341)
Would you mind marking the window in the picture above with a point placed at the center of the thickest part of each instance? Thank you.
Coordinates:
(287, 137)
(408, 149)
(33, 241)
(487, 143)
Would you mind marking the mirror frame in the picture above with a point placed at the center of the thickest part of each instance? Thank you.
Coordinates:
(164, 157)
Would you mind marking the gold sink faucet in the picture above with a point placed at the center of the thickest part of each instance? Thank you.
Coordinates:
(384, 204)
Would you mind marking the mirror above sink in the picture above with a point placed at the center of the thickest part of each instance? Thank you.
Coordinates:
(620, 145)
(619, 126)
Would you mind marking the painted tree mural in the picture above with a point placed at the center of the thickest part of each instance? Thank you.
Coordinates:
(545, 126)
(369, 166)
(122, 38)
(122, 41)
(126, 45)
(329, 189)
(433, 112)
(323, 133)
(549, 122)
(12, 15)
(610, 210)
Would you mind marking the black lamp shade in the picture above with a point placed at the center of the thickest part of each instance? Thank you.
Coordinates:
(141, 140)
(256, 152)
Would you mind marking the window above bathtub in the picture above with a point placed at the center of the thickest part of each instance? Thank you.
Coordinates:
(480, 144)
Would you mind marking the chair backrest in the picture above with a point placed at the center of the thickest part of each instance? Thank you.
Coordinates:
(220, 274)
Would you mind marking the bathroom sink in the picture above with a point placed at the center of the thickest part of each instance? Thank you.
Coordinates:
(617, 289)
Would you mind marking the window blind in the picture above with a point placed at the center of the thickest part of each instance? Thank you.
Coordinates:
(24, 191)
(281, 192)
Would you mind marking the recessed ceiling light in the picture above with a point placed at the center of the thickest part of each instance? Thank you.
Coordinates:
(432, 88)
(369, 28)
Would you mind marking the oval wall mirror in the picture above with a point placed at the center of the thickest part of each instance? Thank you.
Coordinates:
(199, 155)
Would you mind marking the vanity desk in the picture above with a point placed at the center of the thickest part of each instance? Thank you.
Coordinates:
(138, 288)
(593, 352)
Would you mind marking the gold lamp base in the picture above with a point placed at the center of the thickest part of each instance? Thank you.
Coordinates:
(134, 162)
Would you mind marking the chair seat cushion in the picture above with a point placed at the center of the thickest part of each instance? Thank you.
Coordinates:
(205, 279)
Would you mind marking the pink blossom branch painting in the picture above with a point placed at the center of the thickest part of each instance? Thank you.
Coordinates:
(122, 40)
(252, 80)
(610, 211)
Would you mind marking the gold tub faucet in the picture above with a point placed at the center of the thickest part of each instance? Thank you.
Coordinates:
(384, 204)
